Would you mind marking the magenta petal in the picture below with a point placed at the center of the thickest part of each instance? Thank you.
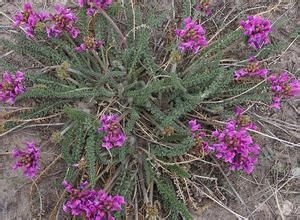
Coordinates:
(191, 37)
(257, 30)
(30, 167)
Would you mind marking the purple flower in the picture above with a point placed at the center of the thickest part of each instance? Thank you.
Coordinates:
(253, 69)
(109, 204)
(11, 86)
(91, 203)
(29, 19)
(89, 44)
(114, 136)
(257, 29)
(204, 7)
(194, 126)
(63, 20)
(94, 5)
(191, 37)
(199, 136)
(78, 198)
(283, 86)
(42, 16)
(81, 3)
(235, 146)
(242, 120)
(27, 160)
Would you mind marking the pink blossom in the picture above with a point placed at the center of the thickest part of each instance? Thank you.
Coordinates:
(91, 203)
(63, 20)
(11, 86)
(94, 5)
(27, 160)
(283, 86)
(242, 120)
(89, 44)
(191, 37)
(114, 136)
(204, 6)
(194, 126)
(28, 19)
(257, 29)
(198, 134)
(253, 69)
(235, 146)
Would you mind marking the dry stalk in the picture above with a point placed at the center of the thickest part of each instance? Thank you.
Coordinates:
(216, 201)
(230, 184)
(269, 197)
(37, 179)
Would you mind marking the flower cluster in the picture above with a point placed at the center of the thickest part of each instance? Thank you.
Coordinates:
(27, 160)
(204, 6)
(63, 20)
(89, 44)
(235, 146)
(11, 86)
(114, 136)
(94, 5)
(198, 135)
(257, 30)
(253, 69)
(29, 19)
(192, 36)
(283, 86)
(91, 204)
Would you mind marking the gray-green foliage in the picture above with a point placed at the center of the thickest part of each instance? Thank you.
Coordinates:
(170, 198)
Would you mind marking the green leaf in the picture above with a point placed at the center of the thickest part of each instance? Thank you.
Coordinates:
(91, 156)
(169, 196)
(180, 172)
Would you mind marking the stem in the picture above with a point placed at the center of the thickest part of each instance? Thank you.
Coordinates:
(5, 153)
(83, 58)
(117, 29)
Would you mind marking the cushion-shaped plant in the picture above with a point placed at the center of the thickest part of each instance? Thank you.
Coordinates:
(131, 96)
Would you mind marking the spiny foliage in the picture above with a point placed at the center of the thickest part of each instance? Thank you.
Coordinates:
(170, 198)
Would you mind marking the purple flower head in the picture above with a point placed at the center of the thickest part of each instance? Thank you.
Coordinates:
(91, 203)
(253, 69)
(28, 19)
(89, 44)
(27, 160)
(204, 7)
(194, 126)
(243, 121)
(235, 146)
(81, 3)
(110, 203)
(11, 86)
(198, 134)
(94, 5)
(257, 29)
(191, 37)
(78, 198)
(283, 86)
(114, 136)
(27, 16)
(63, 20)
(42, 16)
